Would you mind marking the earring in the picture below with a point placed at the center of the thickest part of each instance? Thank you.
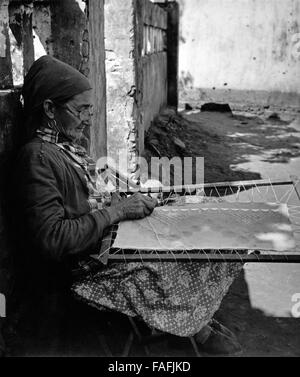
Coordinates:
(52, 124)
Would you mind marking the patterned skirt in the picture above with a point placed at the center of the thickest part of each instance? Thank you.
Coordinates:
(178, 298)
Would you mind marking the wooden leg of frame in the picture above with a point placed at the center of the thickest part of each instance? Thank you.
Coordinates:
(138, 335)
(105, 346)
(128, 345)
(195, 347)
(135, 328)
(296, 182)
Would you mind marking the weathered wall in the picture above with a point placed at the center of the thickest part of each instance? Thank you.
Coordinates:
(151, 63)
(154, 86)
(77, 35)
(241, 45)
(93, 66)
(73, 34)
(67, 25)
(5, 60)
(120, 77)
(136, 68)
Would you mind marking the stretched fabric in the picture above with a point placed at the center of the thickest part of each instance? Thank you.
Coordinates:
(264, 226)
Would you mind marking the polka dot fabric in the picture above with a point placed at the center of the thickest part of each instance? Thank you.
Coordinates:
(178, 298)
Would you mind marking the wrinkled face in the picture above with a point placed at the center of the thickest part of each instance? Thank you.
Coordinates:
(75, 115)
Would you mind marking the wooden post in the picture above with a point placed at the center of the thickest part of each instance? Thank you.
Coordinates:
(67, 24)
(77, 38)
(20, 18)
(27, 37)
(6, 79)
(97, 76)
(172, 8)
(41, 24)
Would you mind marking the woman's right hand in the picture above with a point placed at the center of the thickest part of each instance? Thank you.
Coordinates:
(137, 206)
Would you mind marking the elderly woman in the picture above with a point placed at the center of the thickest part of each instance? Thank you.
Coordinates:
(60, 224)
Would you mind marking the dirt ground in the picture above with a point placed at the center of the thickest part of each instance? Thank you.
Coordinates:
(225, 140)
(258, 305)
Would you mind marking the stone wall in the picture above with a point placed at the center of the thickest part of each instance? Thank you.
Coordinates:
(136, 69)
(120, 78)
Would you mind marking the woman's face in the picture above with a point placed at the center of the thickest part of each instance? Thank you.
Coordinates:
(73, 116)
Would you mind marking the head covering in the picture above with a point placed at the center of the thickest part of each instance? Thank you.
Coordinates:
(50, 78)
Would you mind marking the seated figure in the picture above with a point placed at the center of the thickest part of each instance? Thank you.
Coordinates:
(59, 223)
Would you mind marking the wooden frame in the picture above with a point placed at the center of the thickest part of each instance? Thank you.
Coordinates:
(109, 254)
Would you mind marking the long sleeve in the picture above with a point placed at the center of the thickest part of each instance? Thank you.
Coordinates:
(40, 186)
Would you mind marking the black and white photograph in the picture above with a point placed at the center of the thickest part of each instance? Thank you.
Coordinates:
(149, 181)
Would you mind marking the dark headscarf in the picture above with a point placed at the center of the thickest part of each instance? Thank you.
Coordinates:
(50, 78)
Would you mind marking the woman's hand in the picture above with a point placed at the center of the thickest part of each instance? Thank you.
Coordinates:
(137, 206)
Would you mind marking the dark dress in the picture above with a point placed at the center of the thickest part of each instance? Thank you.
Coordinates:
(54, 227)
(54, 197)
